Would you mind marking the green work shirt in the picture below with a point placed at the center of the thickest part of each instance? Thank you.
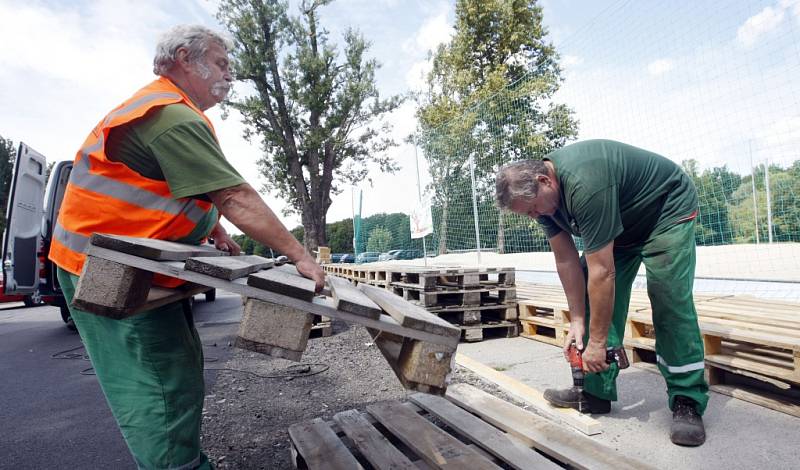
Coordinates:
(612, 191)
(174, 144)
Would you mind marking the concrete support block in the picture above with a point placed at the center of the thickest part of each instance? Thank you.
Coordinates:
(111, 289)
(274, 330)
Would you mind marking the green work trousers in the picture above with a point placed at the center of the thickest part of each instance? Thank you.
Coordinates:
(669, 260)
(150, 367)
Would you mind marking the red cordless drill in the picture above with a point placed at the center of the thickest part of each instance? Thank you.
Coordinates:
(574, 355)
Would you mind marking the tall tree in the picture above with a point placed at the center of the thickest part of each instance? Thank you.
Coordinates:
(7, 157)
(317, 113)
(490, 93)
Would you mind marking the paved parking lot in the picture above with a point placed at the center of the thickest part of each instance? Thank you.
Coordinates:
(53, 414)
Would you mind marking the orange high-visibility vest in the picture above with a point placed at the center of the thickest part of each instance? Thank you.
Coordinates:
(104, 196)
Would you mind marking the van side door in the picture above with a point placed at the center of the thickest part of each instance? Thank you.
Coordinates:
(24, 222)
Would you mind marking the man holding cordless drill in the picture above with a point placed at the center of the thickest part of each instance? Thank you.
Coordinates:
(629, 206)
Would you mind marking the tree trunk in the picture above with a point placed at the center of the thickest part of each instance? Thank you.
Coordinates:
(501, 233)
(443, 229)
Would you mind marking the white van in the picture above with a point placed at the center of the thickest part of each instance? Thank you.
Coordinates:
(30, 217)
(31, 213)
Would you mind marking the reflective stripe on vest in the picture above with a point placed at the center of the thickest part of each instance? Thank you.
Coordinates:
(72, 240)
(95, 179)
(133, 195)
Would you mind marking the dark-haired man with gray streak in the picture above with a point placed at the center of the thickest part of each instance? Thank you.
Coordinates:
(629, 206)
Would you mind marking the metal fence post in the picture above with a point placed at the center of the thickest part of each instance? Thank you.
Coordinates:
(475, 205)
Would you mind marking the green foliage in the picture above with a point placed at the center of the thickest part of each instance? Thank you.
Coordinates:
(340, 236)
(489, 103)
(714, 190)
(315, 109)
(7, 156)
(379, 240)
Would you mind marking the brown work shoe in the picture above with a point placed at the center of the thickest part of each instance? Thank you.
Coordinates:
(576, 399)
(687, 424)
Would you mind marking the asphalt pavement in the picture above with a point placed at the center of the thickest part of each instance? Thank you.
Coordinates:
(52, 411)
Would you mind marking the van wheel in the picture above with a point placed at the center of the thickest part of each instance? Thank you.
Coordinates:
(32, 300)
(211, 295)
(67, 317)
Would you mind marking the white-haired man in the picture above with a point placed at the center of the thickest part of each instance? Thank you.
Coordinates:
(629, 206)
(153, 168)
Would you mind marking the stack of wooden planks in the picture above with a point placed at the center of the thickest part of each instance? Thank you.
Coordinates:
(482, 302)
(468, 428)
(752, 345)
(280, 305)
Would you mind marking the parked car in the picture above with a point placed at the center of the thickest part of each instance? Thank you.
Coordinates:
(409, 254)
(337, 257)
(391, 254)
(367, 257)
(344, 258)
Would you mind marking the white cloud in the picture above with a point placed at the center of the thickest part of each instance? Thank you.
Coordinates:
(660, 66)
(571, 61)
(416, 77)
(794, 5)
(434, 31)
(757, 25)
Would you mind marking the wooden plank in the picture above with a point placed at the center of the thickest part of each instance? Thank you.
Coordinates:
(158, 250)
(283, 280)
(371, 443)
(318, 306)
(349, 299)
(531, 396)
(320, 448)
(483, 434)
(760, 397)
(407, 314)
(550, 438)
(228, 267)
(437, 448)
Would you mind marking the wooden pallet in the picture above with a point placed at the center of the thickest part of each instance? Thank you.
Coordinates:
(455, 296)
(539, 330)
(736, 351)
(279, 308)
(321, 327)
(468, 429)
(482, 331)
(478, 314)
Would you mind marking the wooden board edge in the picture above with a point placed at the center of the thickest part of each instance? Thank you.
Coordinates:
(531, 396)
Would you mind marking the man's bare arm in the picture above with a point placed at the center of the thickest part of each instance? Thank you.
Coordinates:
(569, 270)
(602, 276)
(243, 206)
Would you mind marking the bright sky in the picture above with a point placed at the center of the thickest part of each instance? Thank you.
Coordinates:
(713, 81)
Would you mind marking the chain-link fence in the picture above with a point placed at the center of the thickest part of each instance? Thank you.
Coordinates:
(715, 86)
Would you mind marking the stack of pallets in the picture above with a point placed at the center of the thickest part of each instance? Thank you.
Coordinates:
(752, 346)
(482, 302)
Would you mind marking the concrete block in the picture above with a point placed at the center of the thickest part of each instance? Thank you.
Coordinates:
(274, 330)
(111, 289)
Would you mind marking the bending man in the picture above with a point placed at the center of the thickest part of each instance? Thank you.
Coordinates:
(628, 206)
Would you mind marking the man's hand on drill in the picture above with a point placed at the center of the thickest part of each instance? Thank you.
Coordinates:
(576, 331)
(594, 357)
